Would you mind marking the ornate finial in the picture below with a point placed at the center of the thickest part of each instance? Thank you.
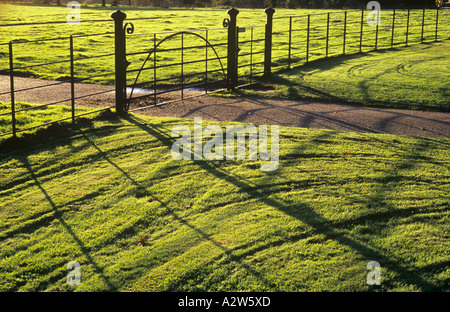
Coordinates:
(233, 12)
(269, 11)
(118, 15)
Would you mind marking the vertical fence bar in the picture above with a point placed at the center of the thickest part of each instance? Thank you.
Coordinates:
(290, 42)
(361, 34)
(328, 35)
(393, 25)
(268, 42)
(182, 66)
(206, 61)
(251, 55)
(437, 23)
(11, 81)
(232, 50)
(307, 38)
(345, 30)
(407, 26)
(423, 25)
(72, 80)
(154, 68)
(376, 34)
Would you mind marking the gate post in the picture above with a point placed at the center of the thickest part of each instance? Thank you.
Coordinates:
(232, 72)
(120, 61)
(268, 42)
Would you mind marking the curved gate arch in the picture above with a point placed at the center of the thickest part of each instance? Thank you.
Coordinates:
(152, 51)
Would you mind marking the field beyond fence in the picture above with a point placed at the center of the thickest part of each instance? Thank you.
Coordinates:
(172, 60)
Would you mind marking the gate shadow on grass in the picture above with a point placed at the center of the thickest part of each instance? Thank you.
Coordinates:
(331, 230)
(59, 216)
(303, 212)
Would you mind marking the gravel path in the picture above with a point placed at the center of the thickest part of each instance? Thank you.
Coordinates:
(292, 113)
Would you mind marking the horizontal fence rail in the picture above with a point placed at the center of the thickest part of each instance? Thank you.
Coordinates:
(152, 69)
(20, 112)
(304, 38)
(175, 66)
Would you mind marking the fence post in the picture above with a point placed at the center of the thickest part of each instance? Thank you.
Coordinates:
(232, 49)
(268, 42)
(120, 60)
(11, 81)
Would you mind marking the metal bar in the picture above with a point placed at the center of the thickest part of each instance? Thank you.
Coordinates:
(232, 49)
(72, 82)
(361, 34)
(407, 26)
(437, 22)
(345, 30)
(120, 66)
(393, 26)
(42, 64)
(423, 25)
(328, 34)
(206, 62)
(37, 87)
(268, 42)
(182, 66)
(290, 41)
(307, 38)
(251, 55)
(376, 34)
(11, 79)
(154, 68)
(59, 120)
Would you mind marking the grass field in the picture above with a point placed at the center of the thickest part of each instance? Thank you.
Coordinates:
(162, 21)
(109, 195)
(411, 77)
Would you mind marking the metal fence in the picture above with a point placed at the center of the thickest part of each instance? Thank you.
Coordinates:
(174, 66)
(300, 39)
(66, 84)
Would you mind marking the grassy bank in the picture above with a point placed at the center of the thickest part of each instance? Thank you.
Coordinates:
(413, 78)
(109, 195)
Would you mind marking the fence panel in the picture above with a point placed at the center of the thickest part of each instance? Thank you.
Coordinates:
(170, 66)
(25, 61)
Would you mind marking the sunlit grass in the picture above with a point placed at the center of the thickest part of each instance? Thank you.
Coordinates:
(109, 195)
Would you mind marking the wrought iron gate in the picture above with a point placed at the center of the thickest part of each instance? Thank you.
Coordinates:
(236, 59)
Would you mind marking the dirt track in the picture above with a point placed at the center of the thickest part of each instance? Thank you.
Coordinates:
(306, 114)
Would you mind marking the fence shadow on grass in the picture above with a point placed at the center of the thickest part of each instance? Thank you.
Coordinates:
(304, 213)
(59, 216)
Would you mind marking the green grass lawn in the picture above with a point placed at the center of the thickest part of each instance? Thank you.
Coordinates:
(109, 195)
(411, 77)
(161, 21)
